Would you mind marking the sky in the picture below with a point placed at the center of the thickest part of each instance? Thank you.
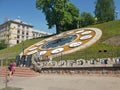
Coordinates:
(26, 10)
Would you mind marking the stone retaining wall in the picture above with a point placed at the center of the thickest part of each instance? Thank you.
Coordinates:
(101, 71)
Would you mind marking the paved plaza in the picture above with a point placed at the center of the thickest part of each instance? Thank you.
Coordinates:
(64, 82)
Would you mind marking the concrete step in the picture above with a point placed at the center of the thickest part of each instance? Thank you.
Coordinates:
(19, 72)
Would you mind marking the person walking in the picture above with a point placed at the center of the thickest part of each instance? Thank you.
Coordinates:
(11, 69)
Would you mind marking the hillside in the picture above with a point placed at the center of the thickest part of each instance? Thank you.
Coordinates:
(107, 46)
(17, 49)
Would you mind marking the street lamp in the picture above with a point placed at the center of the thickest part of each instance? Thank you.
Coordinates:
(6, 76)
(23, 47)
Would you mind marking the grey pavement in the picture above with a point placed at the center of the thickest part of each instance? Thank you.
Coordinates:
(64, 82)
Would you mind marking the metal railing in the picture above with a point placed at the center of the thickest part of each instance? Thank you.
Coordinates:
(4, 62)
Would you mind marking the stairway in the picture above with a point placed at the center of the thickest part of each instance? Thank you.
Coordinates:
(19, 72)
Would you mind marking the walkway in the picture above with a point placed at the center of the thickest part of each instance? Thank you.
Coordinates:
(64, 82)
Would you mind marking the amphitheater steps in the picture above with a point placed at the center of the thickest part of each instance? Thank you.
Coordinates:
(19, 72)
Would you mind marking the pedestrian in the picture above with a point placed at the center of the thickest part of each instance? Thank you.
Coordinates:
(11, 68)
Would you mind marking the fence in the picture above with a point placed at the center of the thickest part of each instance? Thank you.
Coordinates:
(4, 62)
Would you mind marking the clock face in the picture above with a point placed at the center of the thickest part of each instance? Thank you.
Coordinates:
(58, 42)
(66, 42)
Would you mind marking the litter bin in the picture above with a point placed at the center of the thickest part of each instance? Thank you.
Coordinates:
(117, 60)
(104, 61)
(92, 61)
(80, 63)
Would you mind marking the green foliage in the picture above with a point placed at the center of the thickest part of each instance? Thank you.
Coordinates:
(59, 13)
(54, 11)
(105, 10)
(87, 19)
(2, 44)
(74, 12)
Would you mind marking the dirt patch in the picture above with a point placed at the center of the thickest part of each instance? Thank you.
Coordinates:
(113, 41)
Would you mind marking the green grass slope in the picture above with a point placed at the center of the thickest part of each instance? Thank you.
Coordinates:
(98, 50)
(17, 49)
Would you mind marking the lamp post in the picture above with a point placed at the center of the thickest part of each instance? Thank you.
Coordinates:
(23, 47)
(6, 76)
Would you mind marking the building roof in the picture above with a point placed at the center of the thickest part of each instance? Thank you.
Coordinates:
(17, 21)
(38, 31)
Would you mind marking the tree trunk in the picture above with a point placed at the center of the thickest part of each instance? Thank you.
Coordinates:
(57, 29)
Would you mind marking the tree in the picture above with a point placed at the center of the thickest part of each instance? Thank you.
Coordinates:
(105, 10)
(74, 12)
(59, 13)
(87, 19)
(55, 12)
(3, 44)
